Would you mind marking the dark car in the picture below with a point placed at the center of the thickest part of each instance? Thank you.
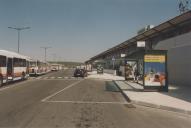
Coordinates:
(79, 73)
(99, 69)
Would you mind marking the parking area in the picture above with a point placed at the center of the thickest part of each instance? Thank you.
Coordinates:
(77, 103)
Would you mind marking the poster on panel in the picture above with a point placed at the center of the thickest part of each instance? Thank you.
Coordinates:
(155, 70)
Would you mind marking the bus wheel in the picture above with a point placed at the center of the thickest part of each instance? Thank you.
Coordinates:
(1, 81)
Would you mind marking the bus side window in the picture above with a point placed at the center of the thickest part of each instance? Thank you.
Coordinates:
(2, 61)
(24, 63)
(16, 62)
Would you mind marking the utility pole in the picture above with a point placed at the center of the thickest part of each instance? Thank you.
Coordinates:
(18, 31)
(54, 59)
(45, 48)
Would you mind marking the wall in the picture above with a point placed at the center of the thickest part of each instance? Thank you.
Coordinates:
(179, 58)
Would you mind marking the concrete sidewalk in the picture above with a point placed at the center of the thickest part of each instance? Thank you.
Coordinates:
(162, 100)
(104, 76)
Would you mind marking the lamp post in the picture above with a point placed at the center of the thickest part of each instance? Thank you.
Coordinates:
(45, 48)
(54, 59)
(18, 31)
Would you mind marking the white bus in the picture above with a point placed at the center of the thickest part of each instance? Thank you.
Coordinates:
(38, 68)
(56, 67)
(13, 66)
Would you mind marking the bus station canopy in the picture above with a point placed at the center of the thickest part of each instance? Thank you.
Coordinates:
(157, 30)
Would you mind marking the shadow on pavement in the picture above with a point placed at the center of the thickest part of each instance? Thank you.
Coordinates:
(180, 92)
(111, 86)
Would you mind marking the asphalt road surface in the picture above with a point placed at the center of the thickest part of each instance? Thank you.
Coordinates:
(59, 100)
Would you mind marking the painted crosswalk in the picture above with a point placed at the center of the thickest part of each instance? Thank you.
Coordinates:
(53, 78)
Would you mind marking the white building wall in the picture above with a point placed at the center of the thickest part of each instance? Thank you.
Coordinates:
(179, 58)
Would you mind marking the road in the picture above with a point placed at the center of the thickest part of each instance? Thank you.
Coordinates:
(59, 100)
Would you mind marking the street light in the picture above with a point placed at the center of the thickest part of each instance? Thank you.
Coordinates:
(18, 31)
(45, 48)
(54, 59)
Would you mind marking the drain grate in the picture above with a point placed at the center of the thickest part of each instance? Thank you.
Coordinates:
(111, 86)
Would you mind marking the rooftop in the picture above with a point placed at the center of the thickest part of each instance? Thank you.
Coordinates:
(172, 23)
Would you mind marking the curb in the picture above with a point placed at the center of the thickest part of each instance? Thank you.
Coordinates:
(162, 107)
(124, 95)
(151, 105)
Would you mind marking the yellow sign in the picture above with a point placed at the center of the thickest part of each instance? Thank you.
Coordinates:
(154, 58)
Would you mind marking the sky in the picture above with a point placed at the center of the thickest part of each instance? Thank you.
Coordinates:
(77, 30)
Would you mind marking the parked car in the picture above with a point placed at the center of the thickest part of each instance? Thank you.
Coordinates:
(79, 73)
(99, 69)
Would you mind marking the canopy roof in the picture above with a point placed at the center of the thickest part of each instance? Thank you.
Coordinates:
(172, 23)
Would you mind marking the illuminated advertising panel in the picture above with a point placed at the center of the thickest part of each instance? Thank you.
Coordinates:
(155, 72)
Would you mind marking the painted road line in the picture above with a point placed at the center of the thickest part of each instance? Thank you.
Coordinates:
(38, 78)
(31, 78)
(54, 94)
(52, 77)
(12, 85)
(65, 77)
(59, 77)
(87, 102)
(4, 88)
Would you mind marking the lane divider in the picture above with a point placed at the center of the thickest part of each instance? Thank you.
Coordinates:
(87, 102)
(54, 94)
(52, 78)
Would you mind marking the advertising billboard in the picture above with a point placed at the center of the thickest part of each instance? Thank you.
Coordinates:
(155, 72)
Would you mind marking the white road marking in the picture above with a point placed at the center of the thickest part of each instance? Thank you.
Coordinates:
(4, 88)
(86, 102)
(54, 94)
(38, 78)
(59, 77)
(14, 85)
(65, 77)
(52, 77)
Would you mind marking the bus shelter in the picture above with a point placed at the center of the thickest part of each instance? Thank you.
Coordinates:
(149, 69)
